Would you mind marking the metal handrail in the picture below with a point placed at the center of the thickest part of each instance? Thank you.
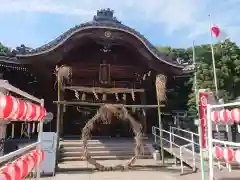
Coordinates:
(183, 130)
(192, 134)
(171, 136)
(168, 132)
(181, 158)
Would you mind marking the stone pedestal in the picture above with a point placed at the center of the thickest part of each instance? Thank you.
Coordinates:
(3, 127)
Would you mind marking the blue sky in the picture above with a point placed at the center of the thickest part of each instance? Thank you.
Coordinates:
(164, 22)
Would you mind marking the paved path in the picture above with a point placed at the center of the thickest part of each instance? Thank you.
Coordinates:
(154, 171)
(129, 175)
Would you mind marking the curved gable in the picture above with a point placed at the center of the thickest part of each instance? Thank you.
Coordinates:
(103, 20)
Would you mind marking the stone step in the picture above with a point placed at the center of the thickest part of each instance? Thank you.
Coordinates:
(101, 153)
(93, 144)
(104, 149)
(98, 145)
(99, 148)
(79, 158)
(84, 166)
(96, 141)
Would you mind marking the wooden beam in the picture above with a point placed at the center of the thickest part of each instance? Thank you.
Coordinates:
(72, 103)
(102, 90)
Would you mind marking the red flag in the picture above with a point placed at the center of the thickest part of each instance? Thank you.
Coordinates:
(218, 33)
(215, 31)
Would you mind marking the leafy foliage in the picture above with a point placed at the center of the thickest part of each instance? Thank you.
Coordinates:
(4, 50)
(227, 60)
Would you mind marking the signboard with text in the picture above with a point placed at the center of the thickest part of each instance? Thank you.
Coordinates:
(203, 101)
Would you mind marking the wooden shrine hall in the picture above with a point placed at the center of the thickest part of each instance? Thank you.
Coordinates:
(97, 62)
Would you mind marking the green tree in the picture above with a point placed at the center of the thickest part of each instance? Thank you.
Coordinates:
(4, 50)
(227, 59)
(179, 87)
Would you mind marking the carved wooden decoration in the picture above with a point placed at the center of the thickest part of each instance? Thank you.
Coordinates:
(104, 73)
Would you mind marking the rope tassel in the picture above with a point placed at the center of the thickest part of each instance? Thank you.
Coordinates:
(124, 97)
(13, 130)
(38, 127)
(28, 129)
(83, 98)
(33, 128)
(116, 95)
(22, 128)
(133, 95)
(95, 95)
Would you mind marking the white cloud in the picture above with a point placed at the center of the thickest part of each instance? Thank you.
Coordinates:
(191, 16)
(172, 13)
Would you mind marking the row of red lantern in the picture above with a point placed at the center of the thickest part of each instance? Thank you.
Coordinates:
(227, 154)
(226, 116)
(20, 168)
(12, 108)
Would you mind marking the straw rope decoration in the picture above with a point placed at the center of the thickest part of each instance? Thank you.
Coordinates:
(105, 115)
(161, 87)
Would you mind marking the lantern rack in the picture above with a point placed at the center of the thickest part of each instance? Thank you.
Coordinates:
(224, 151)
(14, 109)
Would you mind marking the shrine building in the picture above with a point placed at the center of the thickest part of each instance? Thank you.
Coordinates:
(97, 62)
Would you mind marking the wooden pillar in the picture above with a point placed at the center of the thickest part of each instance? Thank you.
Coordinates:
(144, 116)
(60, 109)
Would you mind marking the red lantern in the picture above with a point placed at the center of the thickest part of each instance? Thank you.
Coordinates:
(224, 115)
(38, 113)
(29, 111)
(24, 109)
(42, 155)
(19, 163)
(30, 162)
(228, 154)
(215, 116)
(43, 113)
(237, 155)
(24, 161)
(9, 170)
(218, 152)
(235, 115)
(33, 112)
(8, 107)
(34, 155)
(5, 174)
(20, 110)
(17, 171)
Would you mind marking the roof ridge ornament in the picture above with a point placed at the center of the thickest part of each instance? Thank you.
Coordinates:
(105, 15)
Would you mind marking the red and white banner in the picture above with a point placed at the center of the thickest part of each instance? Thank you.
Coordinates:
(203, 101)
(12, 108)
(20, 168)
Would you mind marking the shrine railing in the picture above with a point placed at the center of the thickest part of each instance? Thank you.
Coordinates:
(176, 143)
(26, 159)
(225, 152)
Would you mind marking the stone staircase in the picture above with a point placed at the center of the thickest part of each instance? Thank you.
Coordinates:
(114, 149)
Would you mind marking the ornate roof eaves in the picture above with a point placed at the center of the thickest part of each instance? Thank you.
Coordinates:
(190, 68)
(10, 60)
(22, 52)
